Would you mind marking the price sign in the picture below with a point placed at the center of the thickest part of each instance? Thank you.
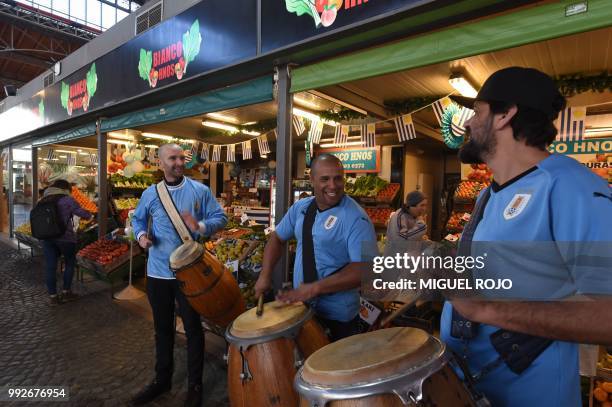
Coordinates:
(368, 312)
(269, 230)
(244, 218)
(466, 217)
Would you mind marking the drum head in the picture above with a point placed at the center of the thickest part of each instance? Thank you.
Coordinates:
(186, 254)
(277, 316)
(371, 356)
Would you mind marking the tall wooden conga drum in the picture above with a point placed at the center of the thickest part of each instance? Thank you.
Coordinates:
(209, 286)
(387, 368)
(266, 351)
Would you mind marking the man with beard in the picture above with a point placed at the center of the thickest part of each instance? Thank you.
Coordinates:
(203, 216)
(330, 229)
(525, 353)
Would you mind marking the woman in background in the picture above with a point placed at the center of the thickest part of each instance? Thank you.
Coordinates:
(408, 223)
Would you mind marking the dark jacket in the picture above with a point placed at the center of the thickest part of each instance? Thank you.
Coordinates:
(68, 207)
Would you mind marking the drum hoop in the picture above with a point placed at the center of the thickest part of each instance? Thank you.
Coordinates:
(407, 386)
(291, 332)
(178, 270)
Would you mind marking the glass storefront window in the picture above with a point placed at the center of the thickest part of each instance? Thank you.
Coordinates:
(22, 185)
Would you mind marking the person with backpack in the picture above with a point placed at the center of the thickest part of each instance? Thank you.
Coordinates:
(51, 222)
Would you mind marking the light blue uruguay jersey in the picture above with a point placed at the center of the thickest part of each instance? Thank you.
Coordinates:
(189, 196)
(557, 201)
(338, 234)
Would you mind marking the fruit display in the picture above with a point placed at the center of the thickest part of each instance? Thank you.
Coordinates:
(103, 251)
(469, 190)
(230, 249)
(234, 233)
(248, 293)
(24, 228)
(379, 216)
(83, 201)
(387, 194)
(126, 203)
(138, 181)
(602, 393)
(457, 221)
(252, 264)
(365, 186)
(480, 173)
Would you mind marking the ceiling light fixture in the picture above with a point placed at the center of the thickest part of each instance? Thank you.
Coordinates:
(120, 136)
(157, 136)
(311, 116)
(221, 126)
(462, 85)
(251, 133)
(223, 118)
(306, 103)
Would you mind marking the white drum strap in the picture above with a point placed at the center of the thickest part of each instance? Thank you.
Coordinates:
(172, 212)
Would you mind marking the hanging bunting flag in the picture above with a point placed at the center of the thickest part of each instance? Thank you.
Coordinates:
(341, 136)
(71, 159)
(405, 127)
(51, 154)
(247, 152)
(204, 152)
(231, 153)
(316, 129)
(439, 106)
(194, 149)
(368, 135)
(152, 155)
(216, 154)
(93, 158)
(571, 123)
(298, 124)
(459, 119)
(262, 143)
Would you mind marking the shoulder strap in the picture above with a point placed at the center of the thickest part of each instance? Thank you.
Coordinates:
(465, 244)
(173, 214)
(309, 266)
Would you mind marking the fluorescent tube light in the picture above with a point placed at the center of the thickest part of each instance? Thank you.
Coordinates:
(462, 86)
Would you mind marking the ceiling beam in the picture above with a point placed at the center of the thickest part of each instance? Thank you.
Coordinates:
(26, 59)
(12, 81)
(341, 93)
(424, 129)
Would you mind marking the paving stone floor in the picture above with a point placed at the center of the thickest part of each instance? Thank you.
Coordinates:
(99, 348)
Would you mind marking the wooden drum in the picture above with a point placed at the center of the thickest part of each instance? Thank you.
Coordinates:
(266, 351)
(209, 287)
(386, 368)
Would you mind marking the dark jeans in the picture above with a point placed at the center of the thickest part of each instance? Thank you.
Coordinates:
(339, 329)
(162, 295)
(52, 250)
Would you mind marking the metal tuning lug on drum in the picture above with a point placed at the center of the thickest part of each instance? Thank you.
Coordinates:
(298, 358)
(246, 373)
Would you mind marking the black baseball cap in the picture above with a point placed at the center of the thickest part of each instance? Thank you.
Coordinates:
(522, 86)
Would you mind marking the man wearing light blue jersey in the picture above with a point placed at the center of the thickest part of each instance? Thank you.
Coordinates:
(525, 353)
(329, 262)
(203, 216)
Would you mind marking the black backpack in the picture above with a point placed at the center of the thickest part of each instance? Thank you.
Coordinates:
(45, 218)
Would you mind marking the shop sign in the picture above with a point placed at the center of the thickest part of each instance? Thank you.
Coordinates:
(286, 22)
(208, 36)
(357, 159)
(595, 154)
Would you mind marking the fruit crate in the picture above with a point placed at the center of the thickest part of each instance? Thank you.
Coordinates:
(110, 267)
(388, 197)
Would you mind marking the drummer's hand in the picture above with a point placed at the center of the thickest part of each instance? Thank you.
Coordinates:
(190, 221)
(262, 285)
(145, 242)
(301, 294)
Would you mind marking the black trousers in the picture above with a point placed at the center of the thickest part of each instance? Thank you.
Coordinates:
(337, 330)
(162, 295)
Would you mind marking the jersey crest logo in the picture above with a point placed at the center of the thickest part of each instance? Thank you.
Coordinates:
(330, 222)
(516, 206)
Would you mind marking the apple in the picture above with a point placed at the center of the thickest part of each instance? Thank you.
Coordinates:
(329, 15)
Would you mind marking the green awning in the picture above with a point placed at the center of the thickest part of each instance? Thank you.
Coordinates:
(255, 91)
(505, 31)
(71, 134)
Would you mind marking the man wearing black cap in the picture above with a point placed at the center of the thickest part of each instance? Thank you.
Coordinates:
(525, 353)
